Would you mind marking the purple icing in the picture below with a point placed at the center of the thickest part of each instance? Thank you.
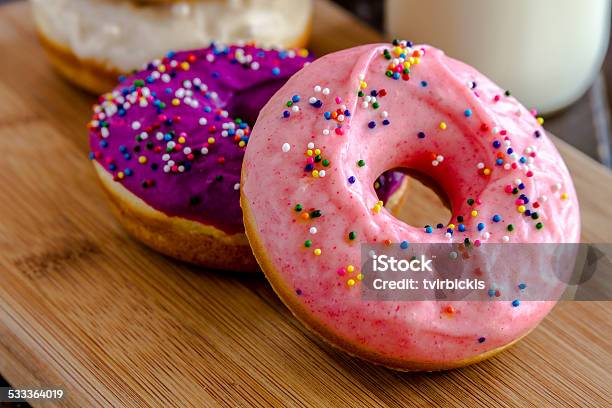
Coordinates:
(152, 132)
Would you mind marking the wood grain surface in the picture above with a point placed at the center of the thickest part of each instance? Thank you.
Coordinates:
(84, 307)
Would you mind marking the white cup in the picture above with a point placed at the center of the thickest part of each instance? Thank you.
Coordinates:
(547, 52)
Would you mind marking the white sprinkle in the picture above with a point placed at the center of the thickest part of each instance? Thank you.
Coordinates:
(440, 158)
(480, 165)
(311, 145)
(135, 125)
(326, 132)
(295, 108)
(326, 91)
(204, 150)
(384, 114)
(317, 89)
(187, 150)
(286, 147)
(321, 173)
(556, 187)
(453, 255)
(486, 235)
(159, 135)
(313, 230)
(237, 186)
(255, 66)
(435, 163)
(312, 100)
(506, 238)
(166, 157)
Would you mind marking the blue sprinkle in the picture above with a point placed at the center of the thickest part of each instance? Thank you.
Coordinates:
(428, 229)
(347, 112)
(522, 286)
(496, 218)
(481, 226)
(424, 84)
(509, 151)
(122, 149)
(372, 125)
(127, 156)
(327, 115)
(351, 179)
(317, 104)
(128, 172)
(112, 167)
(439, 226)
(286, 114)
(461, 227)
(396, 75)
(521, 186)
(499, 162)
(276, 71)
(491, 292)
(467, 113)
(523, 159)
(91, 155)
(309, 167)
(386, 122)
(496, 144)
(516, 303)
(481, 339)
(421, 135)
(404, 245)
(103, 143)
(298, 292)
(374, 93)
(295, 98)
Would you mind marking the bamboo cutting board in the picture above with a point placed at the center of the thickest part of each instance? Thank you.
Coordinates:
(84, 307)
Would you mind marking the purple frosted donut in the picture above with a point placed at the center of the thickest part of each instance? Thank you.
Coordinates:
(168, 144)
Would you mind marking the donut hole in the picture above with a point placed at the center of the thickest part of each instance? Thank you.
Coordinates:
(426, 202)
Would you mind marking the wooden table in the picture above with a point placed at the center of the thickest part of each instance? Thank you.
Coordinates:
(84, 307)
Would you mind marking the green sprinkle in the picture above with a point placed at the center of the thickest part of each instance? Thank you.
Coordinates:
(315, 214)
(307, 243)
(352, 235)
(510, 227)
(360, 94)
(361, 163)
(325, 162)
(507, 93)
(289, 103)
(470, 201)
(317, 158)
(539, 225)
(298, 207)
(375, 105)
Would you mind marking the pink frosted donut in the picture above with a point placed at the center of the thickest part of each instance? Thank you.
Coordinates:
(377, 107)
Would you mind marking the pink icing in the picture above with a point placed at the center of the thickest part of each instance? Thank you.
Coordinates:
(482, 125)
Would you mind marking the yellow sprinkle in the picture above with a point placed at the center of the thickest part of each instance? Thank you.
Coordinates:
(176, 102)
(451, 226)
(317, 252)
(377, 208)
(363, 84)
(417, 60)
(241, 143)
(397, 50)
(380, 203)
(120, 175)
(442, 125)
(564, 196)
(309, 152)
(142, 160)
(303, 52)
(161, 68)
(486, 172)
(315, 173)
(360, 276)
(540, 120)
(406, 64)
(350, 282)
(520, 208)
(474, 213)
(350, 268)
(211, 140)
(411, 60)
(185, 65)
(181, 139)
(317, 152)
